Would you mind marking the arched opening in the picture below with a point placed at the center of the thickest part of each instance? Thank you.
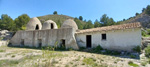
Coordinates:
(37, 27)
(52, 26)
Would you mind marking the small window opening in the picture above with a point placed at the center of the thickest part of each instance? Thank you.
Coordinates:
(103, 36)
(63, 43)
(39, 42)
(22, 42)
(52, 26)
(37, 27)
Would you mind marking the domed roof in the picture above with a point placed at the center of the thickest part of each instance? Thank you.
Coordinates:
(34, 24)
(69, 23)
(49, 24)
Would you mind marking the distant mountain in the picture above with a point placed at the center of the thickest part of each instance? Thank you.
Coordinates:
(143, 18)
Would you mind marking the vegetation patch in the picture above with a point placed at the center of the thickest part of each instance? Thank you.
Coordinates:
(132, 56)
(97, 49)
(5, 63)
(90, 61)
(137, 49)
(133, 64)
(147, 51)
(2, 50)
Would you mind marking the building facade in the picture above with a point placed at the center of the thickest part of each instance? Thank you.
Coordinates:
(118, 37)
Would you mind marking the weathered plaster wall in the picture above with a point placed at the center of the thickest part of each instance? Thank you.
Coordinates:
(48, 37)
(115, 40)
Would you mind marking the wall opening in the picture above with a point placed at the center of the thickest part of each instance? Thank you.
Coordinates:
(22, 42)
(39, 42)
(52, 26)
(63, 43)
(37, 27)
(103, 36)
(88, 41)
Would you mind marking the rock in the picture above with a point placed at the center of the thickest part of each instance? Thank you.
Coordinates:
(3, 32)
(5, 35)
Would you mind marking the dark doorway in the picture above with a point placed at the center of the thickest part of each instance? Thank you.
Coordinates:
(39, 42)
(88, 41)
(63, 43)
(52, 26)
(22, 42)
(37, 27)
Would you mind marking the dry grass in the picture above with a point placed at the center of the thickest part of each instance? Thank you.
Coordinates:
(23, 57)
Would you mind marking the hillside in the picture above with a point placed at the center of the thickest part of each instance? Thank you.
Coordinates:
(56, 18)
(143, 18)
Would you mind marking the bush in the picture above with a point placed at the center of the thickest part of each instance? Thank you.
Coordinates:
(2, 50)
(91, 62)
(137, 49)
(143, 63)
(130, 62)
(81, 48)
(116, 53)
(132, 56)
(148, 10)
(133, 64)
(148, 31)
(147, 51)
(143, 33)
(97, 49)
(13, 56)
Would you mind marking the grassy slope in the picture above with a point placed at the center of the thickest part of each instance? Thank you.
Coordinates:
(55, 18)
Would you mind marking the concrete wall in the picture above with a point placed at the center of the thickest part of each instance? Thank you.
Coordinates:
(120, 40)
(48, 37)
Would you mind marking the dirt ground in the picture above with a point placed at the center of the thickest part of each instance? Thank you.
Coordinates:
(28, 57)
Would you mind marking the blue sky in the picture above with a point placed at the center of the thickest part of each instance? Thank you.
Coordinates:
(89, 9)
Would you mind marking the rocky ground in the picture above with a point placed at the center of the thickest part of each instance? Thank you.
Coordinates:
(26, 57)
(144, 60)
(5, 36)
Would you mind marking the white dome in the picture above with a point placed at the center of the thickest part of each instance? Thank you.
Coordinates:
(34, 24)
(69, 24)
(49, 24)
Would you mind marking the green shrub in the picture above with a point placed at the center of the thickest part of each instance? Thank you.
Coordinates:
(147, 51)
(8, 63)
(132, 56)
(116, 53)
(143, 33)
(130, 62)
(137, 49)
(90, 61)
(133, 64)
(13, 56)
(143, 63)
(97, 49)
(82, 48)
(148, 10)
(148, 31)
(2, 50)
(1, 38)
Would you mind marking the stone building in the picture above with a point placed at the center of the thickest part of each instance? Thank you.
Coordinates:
(117, 37)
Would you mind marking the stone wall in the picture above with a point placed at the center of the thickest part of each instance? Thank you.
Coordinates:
(48, 38)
